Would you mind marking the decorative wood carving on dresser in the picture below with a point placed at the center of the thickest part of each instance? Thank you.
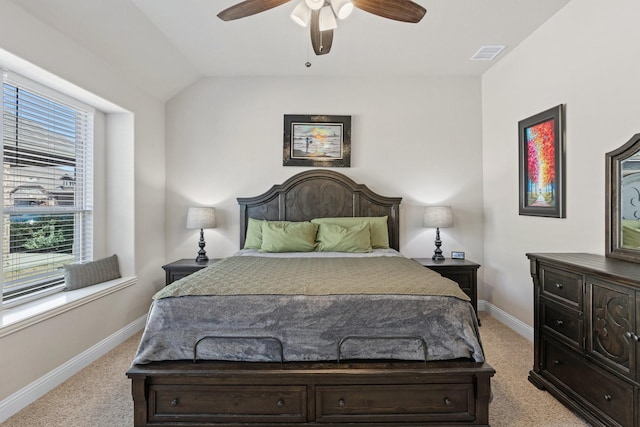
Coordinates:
(586, 326)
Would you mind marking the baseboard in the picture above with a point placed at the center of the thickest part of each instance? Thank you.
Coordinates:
(517, 325)
(27, 395)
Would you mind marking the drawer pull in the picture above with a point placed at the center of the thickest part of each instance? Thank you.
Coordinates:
(280, 403)
(559, 285)
(174, 402)
(341, 403)
(632, 336)
(447, 401)
(557, 362)
(559, 322)
(607, 397)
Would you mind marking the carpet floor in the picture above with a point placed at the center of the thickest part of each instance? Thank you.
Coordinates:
(100, 394)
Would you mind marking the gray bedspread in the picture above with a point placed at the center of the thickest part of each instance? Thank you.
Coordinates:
(310, 327)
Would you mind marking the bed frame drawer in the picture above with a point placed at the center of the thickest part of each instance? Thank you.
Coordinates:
(398, 403)
(228, 403)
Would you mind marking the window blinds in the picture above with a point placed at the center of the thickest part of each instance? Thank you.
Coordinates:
(47, 187)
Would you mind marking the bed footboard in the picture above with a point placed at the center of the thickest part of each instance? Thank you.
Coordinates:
(371, 393)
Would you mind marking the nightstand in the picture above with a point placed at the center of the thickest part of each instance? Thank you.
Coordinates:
(462, 271)
(184, 267)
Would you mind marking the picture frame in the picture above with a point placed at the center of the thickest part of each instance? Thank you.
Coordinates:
(317, 140)
(541, 147)
(457, 255)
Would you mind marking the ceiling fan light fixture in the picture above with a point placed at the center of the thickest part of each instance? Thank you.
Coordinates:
(342, 8)
(301, 14)
(314, 4)
(327, 19)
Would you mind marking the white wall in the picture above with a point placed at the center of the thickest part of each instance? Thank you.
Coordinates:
(587, 56)
(416, 138)
(133, 195)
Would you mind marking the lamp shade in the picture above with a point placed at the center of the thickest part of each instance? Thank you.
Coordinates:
(438, 217)
(301, 14)
(198, 217)
(314, 4)
(342, 8)
(327, 19)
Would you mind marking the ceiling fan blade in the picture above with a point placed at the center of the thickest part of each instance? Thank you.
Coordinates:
(248, 8)
(398, 10)
(320, 40)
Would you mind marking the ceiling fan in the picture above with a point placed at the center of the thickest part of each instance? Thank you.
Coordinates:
(322, 14)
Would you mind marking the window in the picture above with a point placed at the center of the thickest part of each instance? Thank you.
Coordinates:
(47, 188)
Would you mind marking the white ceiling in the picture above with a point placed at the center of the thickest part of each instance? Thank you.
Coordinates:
(162, 46)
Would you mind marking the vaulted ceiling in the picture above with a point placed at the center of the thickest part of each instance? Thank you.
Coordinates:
(162, 46)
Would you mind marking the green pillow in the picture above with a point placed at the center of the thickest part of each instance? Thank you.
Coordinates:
(280, 236)
(336, 238)
(253, 239)
(377, 227)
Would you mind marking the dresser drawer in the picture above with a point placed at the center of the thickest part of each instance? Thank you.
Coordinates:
(610, 395)
(406, 403)
(564, 323)
(562, 286)
(228, 403)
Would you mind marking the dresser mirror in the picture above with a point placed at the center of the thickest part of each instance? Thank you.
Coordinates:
(623, 201)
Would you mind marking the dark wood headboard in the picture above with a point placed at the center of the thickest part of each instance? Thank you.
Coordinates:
(320, 193)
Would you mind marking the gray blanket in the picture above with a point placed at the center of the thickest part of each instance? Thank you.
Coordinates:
(310, 328)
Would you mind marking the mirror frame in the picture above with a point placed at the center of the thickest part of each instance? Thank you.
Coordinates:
(613, 186)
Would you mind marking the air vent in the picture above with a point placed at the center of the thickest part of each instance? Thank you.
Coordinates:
(487, 53)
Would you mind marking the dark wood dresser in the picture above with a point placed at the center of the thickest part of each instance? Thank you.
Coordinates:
(587, 323)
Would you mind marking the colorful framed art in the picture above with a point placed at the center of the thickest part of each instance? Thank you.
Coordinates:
(541, 167)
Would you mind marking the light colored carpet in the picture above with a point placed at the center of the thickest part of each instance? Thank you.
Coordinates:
(517, 402)
(100, 394)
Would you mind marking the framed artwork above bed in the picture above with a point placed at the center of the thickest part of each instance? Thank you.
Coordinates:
(317, 140)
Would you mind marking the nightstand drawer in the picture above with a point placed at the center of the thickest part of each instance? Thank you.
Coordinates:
(464, 279)
(184, 267)
(176, 275)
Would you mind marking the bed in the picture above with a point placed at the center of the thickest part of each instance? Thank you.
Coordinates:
(227, 347)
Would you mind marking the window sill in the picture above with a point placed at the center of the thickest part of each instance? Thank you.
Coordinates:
(22, 316)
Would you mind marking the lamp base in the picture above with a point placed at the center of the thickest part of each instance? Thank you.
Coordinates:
(202, 254)
(202, 258)
(437, 254)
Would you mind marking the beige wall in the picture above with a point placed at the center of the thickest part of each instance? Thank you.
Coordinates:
(418, 138)
(132, 203)
(587, 56)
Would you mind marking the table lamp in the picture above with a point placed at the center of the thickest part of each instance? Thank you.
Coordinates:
(200, 217)
(438, 217)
